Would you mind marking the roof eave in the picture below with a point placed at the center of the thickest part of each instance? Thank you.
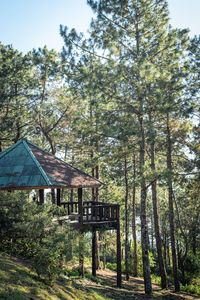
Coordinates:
(20, 188)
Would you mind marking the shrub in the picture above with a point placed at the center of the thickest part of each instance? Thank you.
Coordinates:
(27, 230)
(191, 289)
(112, 266)
(11, 294)
(47, 265)
(192, 265)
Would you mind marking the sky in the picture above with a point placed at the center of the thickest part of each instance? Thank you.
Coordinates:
(28, 24)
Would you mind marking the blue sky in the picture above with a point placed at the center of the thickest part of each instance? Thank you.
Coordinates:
(28, 24)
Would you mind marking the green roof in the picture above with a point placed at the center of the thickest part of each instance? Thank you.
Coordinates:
(26, 166)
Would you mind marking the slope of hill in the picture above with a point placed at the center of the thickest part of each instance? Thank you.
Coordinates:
(19, 282)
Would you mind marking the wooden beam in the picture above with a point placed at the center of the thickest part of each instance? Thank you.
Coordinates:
(81, 254)
(119, 272)
(80, 205)
(58, 197)
(41, 196)
(93, 252)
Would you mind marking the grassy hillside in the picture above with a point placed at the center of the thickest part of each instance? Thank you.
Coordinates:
(19, 282)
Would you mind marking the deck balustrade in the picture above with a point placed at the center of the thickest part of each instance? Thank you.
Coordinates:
(93, 211)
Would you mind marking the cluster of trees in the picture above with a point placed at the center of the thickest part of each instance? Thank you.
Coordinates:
(123, 104)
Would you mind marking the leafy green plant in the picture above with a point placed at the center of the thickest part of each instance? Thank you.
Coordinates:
(140, 264)
(111, 266)
(47, 265)
(27, 231)
(191, 289)
(11, 294)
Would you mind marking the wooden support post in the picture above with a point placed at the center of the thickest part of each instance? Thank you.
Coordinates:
(58, 197)
(119, 273)
(41, 196)
(94, 246)
(53, 196)
(80, 204)
(81, 254)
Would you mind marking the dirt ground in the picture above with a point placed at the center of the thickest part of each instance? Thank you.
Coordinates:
(133, 289)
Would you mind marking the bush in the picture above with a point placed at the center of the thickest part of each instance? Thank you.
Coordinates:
(112, 266)
(192, 265)
(191, 289)
(47, 265)
(27, 230)
(11, 294)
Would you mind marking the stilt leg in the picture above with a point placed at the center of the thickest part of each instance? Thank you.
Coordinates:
(81, 255)
(93, 253)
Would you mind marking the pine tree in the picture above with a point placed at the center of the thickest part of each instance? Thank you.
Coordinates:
(15, 88)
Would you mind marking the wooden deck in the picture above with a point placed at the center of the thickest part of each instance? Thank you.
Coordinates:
(93, 214)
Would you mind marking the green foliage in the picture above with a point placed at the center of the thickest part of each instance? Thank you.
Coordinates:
(47, 264)
(140, 263)
(191, 288)
(74, 272)
(27, 231)
(191, 267)
(111, 266)
(8, 293)
(15, 87)
(133, 65)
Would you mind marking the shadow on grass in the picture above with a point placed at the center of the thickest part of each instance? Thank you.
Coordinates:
(15, 273)
(132, 289)
(19, 282)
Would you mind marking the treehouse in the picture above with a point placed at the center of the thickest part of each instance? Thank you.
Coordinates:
(25, 166)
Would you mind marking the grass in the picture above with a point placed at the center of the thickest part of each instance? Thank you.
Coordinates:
(19, 282)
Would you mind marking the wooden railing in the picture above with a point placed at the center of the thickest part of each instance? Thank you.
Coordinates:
(71, 207)
(94, 211)
(100, 212)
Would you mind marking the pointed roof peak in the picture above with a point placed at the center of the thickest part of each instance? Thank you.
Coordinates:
(26, 166)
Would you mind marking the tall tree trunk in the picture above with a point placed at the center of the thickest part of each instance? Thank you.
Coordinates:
(143, 214)
(95, 194)
(135, 258)
(97, 177)
(171, 208)
(152, 231)
(72, 190)
(156, 218)
(164, 248)
(95, 197)
(168, 252)
(126, 219)
(143, 209)
(97, 257)
(93, 175)
(104, 254)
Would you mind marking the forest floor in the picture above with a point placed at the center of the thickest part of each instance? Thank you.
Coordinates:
(133, 289)
(18, 281)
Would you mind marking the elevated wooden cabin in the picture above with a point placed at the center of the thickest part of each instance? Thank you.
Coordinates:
(25, 166)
